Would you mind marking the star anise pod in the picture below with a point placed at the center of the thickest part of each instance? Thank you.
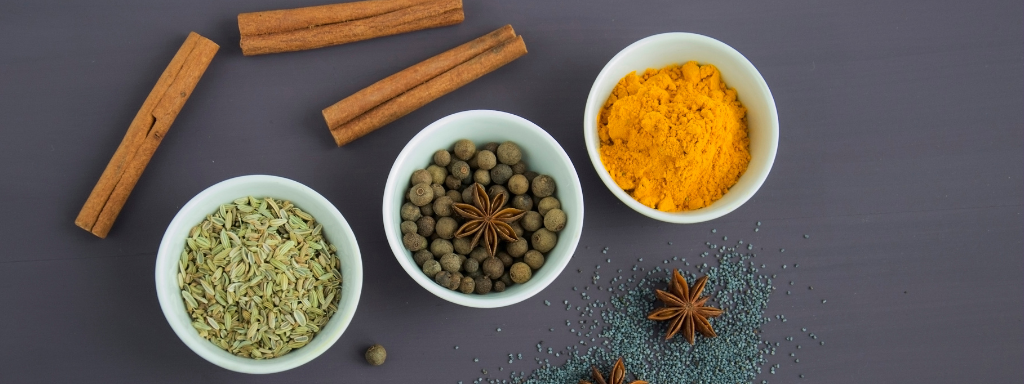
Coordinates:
(486, 219)
(685, 308)
(616, 376)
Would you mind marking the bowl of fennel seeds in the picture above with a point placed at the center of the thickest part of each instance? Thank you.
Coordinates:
(258, 274)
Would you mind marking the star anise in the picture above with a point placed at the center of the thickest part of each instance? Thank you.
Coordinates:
(685, 308)
(486, 219)
(616, 376)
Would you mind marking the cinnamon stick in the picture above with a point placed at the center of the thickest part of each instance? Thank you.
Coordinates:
(420, 95)
(144, 134)
(284, 20)
(298, 29)
(394, 85)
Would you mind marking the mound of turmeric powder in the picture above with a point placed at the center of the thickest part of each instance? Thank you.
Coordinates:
(675, 139)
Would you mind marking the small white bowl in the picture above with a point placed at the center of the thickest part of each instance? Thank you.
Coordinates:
(665, 49)
(335, 229)
(543, 155)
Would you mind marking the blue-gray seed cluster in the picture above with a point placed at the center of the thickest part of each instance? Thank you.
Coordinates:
(736, 355)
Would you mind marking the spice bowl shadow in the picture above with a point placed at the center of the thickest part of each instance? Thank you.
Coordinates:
(543, 155)
(335, 230)
(676, 48)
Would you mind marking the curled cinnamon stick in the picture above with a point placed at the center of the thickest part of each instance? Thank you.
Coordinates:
(317, 27)
(144, 134)
(419, 95)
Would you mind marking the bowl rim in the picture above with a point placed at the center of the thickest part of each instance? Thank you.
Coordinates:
(530, 288)
(711, 211)
(352, 272)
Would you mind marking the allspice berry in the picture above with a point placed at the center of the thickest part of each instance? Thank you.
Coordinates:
(505, 278)
(467, 285)
(443, 278)
(534, 259)
(518, 248)
(376, 355)
(452, 183)
(446, 227)
(482, 177)
(425, 226)
(460, 170)
(455, 281)
(441, 247)
(499, 286)
(518, 229)
(482, 285)
(532, 221)
(408, 227)
(455, 195)
(520, 273)
(442, 158)
(431, 268)
(450, 262)
(437, 173)
(421, 176)
(470, 265)
(461, 245)
(438, 190)
(414, 242)
(421, 256)
(485, 160)
(410, 212)
(492, 146)
(522, 202)
(517, 184)
(506, 260)
(479, 254)
(530, 175)
(443, 206)
(501, 173)
(468, 193)
(464, 149)
(493, 267)
(548, 203)
(509, 153)
(496, 190)
(427, 210)
(519, 168)
(544, 240)
(421, 194)
(554, 220)
(543, 186)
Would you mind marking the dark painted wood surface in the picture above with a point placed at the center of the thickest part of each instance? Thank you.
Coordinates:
(901, 155)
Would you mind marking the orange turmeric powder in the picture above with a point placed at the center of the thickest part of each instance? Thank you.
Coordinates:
(675, 139)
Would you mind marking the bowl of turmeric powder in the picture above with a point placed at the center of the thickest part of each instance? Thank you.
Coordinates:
(681, 127)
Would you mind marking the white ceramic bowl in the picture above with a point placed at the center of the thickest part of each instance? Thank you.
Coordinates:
(659, 51)
(335, 229)
(543, 155)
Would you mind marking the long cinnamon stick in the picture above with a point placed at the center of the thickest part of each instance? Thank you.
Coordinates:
(419, 96)
(419, 15)
(144, 134)
(394, 85)
(284, 20)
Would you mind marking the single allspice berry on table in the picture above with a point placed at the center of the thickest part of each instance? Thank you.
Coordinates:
(376, 355)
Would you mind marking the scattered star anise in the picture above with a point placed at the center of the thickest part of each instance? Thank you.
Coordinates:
(616, 376)
(486, 219)
(685, 308)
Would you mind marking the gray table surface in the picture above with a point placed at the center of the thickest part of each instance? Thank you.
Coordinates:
(901, 155)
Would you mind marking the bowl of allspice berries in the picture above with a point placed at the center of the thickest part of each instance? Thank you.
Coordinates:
(483, 208)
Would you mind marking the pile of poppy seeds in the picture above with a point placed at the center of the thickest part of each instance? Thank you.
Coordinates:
(619, 327)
